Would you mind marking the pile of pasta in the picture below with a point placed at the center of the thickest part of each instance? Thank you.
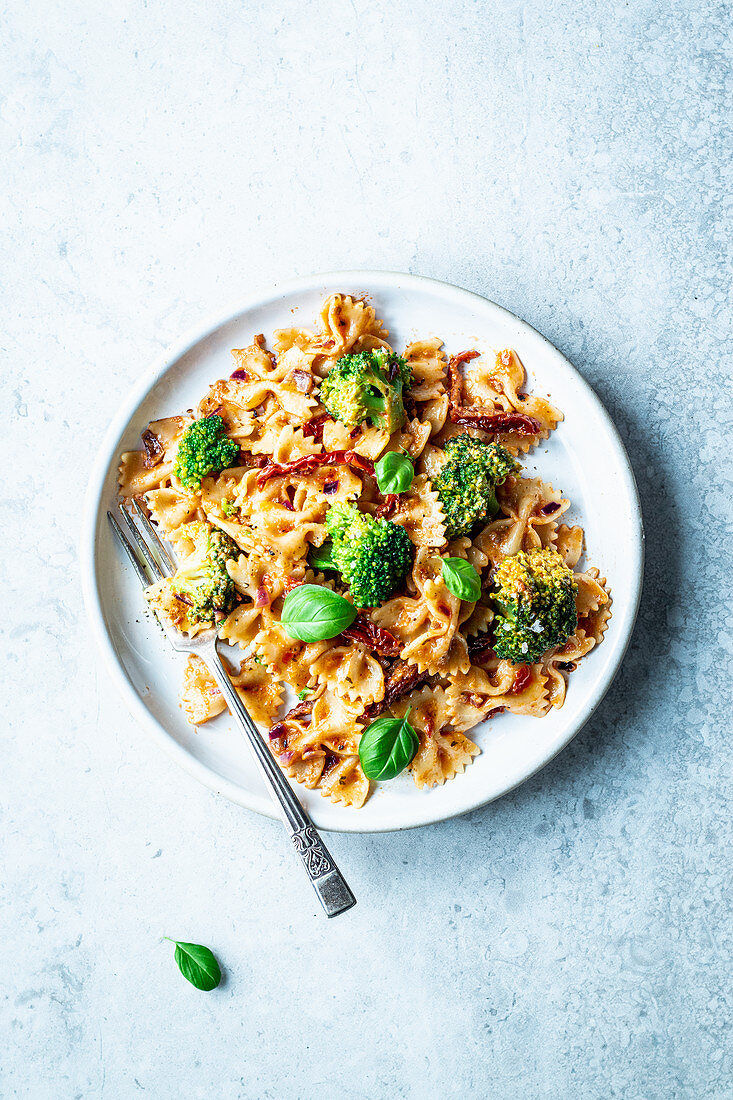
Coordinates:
(446, 671)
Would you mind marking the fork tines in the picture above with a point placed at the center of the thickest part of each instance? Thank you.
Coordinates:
(150, 558)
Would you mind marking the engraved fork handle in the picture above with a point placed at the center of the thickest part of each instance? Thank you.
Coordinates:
(328, 882)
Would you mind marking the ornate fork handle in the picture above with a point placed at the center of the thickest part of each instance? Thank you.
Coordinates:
(328, 882)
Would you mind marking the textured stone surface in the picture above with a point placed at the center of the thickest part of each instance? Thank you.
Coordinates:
(567, 160)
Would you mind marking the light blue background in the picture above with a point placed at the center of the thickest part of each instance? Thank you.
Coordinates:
(568, 160)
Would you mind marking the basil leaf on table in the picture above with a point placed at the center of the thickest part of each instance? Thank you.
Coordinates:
(387, 747)
(394, 473)
(461, 578)
(197, 964)
(321, 556)
(312, 613)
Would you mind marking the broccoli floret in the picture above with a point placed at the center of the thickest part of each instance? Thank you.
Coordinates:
(201, 592)
(535, 601)
(372, 555)
(467, 482)
(204, 449)
(367, 386)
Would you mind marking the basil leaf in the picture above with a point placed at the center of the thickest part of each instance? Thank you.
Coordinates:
(461, 579)
(302, 695)
(387, 747)
(312, 613)
(197, 964)
(394, 472)
(321, 556)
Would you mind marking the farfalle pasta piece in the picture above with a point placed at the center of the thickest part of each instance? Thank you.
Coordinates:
(291, 368)
(366, 440)
(591, 592)
(350, 672)
(477, 694)
(498, 685)
(426, 623)
(411, 438)
(235, 403)
(435, 413)
(203, 700)
(254, 615)
(345, 782)
(593, 603)
(259, 691)
(479, 620)
(276, 438)
(568, 542)
(285, 339)
(499, 389)
(200, 696)
(254, 361)
(463, 547)
(522, 501)
(265, 581)
(456, 658)
(530, 696)
(290, 444)
(338, 722)
(349, 324)
(171, 508)
(428, 363)
(419, 512)
(256, 378)
(444, 752)
(294, 741)
(320, 749)
(152, 467)
(431, 461)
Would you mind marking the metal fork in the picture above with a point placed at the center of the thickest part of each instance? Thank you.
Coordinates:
(152, 560)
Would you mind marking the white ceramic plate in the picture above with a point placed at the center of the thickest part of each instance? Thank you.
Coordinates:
(584, 458)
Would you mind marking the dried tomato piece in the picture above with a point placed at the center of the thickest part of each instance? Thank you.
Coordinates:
(484, 419)
(400, 680)
(454, 374)
(364, 630)
(522, 678)
(495, 422)
(300, 710)
(481, 646)
(154, 450)
(313, 428)
(387, 507)
(311, 462)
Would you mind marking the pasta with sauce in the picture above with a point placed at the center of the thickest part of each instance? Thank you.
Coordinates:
(423, 648)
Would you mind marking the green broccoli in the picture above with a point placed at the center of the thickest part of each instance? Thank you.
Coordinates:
(367, 386)
(467, 482)
(535, 601)
(372, 555)
(204, 449)
(201, 592)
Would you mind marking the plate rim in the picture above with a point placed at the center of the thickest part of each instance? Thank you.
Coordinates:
(94, 503)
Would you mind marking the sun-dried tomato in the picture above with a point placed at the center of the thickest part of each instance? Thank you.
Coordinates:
(522, 678)
(364, 630)
(485, 420)
(311, 462)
